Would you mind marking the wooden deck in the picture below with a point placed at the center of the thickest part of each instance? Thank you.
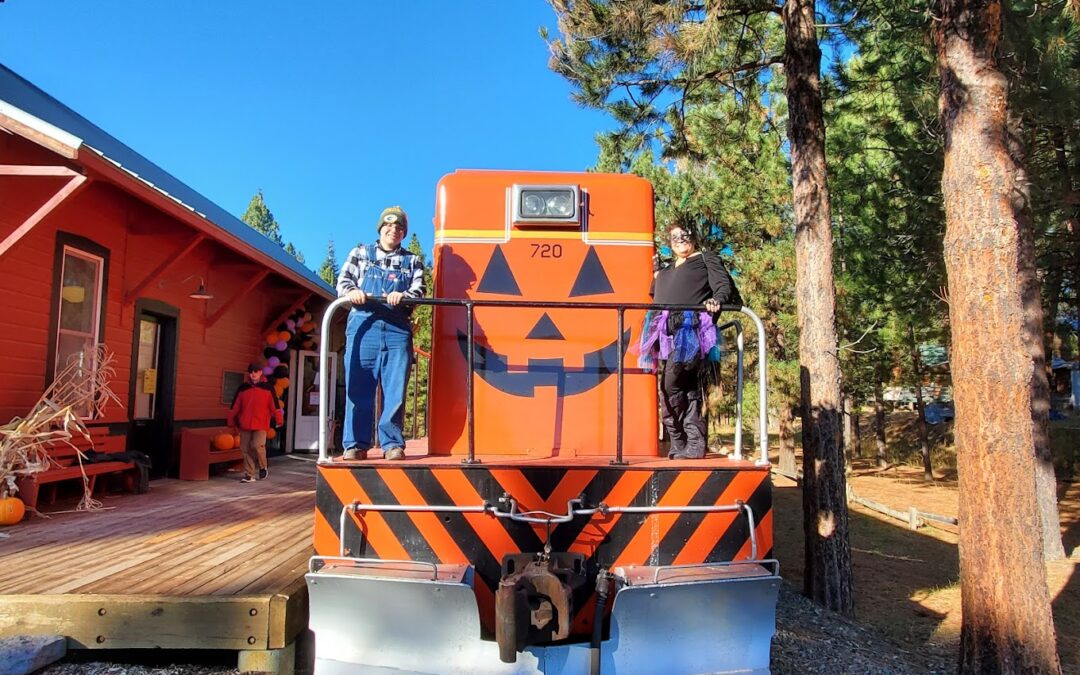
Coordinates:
(209, 565)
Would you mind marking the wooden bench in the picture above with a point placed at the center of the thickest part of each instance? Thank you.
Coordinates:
(64, 465)
(197, 452)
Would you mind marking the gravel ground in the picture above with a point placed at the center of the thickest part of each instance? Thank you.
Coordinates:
(812, 640)
(809, 640)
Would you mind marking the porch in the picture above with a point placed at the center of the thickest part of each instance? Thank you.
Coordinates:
(190, 565)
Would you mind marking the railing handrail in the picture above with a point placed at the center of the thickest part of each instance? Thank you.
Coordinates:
(619, 307)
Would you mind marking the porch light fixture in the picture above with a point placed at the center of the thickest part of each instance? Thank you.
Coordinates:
(199, 293)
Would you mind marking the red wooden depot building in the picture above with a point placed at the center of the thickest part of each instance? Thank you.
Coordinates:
(100, 245)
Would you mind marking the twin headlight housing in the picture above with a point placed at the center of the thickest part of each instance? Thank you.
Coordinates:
(546, 204)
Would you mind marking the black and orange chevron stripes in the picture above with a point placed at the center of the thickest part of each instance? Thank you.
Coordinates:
(482, 540)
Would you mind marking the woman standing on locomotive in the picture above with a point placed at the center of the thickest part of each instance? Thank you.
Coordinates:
(685, 342)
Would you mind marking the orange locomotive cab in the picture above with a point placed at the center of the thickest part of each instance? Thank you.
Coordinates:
(546, 385)
(538, 529)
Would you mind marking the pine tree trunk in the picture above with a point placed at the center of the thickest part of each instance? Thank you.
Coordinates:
(857, 427)
(787, 442)
(1007, 623)
(1045, 480)
(842, 439)
(879, 424)
(850, 445)
(920, 405)
(828, 577)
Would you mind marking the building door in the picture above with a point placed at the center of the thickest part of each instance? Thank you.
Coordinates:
(306, 409)
(153, 391)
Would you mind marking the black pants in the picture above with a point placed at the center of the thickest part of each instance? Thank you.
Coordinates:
(680, 407)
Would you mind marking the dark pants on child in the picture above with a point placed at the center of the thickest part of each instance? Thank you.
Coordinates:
(680, 407)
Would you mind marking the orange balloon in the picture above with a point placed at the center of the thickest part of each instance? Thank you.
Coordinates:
(282, 382)
(285, 336)
(270, 433)
(308, 327)
(223, 442)
(271, 339)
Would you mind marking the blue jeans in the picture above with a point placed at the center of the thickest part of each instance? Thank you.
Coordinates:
(376, 352)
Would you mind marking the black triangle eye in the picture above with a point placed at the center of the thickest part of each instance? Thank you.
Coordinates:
(497, 277)
(592, 279)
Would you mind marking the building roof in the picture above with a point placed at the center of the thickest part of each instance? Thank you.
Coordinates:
(32, 107)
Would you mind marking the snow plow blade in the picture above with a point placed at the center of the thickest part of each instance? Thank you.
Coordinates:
(375, 616)
(722, 617)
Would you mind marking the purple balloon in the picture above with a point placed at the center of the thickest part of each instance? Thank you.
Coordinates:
(281, 345)
(273, 361)
(268, 371)
(290, 324)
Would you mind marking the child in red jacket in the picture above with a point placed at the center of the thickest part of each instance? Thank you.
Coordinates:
(252, 409)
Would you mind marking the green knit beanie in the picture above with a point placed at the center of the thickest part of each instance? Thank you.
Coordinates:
(393, 214)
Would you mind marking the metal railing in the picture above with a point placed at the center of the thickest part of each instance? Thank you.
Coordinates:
(575, 508)
(620, 309)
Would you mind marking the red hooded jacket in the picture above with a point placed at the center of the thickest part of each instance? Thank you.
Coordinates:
(254, 407)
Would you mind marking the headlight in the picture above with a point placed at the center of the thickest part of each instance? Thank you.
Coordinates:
(533, 205)
(546, 203)
(560, 204)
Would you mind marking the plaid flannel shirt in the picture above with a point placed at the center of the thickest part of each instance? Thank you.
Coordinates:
(359, 259)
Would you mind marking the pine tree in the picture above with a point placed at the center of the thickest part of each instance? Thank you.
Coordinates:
(328, 270)
(416, 413)
(292, 250)
(258, 216)
(989, 256)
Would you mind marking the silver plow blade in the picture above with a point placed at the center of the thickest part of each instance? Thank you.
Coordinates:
(404, 617)
(693, 619)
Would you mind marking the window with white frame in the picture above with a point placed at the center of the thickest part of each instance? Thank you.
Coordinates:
(79, 312)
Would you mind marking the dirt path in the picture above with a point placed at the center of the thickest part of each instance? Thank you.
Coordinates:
(907, 583)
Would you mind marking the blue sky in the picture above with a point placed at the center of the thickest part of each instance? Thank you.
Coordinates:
(333, 109)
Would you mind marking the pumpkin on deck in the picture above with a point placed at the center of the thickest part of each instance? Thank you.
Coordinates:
(12, 510)
(223, 442)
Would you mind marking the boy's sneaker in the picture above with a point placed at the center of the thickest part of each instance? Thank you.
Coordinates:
(354, 453)
(263, 474)
(247, 479)
(394, 454)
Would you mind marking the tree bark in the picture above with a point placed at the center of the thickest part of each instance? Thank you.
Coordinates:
(879, 424)
(787, 442)
(1007, 623)
(828, 577)
(920, 405)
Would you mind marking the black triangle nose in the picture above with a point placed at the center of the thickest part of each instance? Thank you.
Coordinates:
(545, 329)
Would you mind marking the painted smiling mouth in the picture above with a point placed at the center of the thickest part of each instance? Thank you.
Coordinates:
(494, 368)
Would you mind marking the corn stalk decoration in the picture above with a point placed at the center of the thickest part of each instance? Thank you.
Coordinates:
(77, 394)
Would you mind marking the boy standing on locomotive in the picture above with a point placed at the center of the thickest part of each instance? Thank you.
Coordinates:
(378, 336)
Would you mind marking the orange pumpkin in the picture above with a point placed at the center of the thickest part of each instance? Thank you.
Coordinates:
(236, 441)
(223, 442)
(12, 510)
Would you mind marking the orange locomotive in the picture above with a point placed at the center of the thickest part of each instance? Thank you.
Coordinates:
(541, 493)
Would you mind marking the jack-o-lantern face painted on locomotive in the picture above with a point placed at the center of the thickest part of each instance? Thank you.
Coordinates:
(545, 379)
